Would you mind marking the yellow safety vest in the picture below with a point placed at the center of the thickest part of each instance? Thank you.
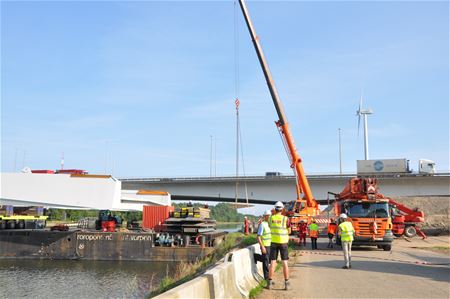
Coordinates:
(278, 229)
(313, 230)
(266, 236)
(347, 231)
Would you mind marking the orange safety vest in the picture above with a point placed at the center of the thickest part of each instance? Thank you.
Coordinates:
(313, 230)
(332, 228)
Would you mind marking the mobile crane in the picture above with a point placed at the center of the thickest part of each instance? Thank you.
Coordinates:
(303, 207)
(369, 212)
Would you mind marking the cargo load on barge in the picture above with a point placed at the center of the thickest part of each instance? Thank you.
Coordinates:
(188, 235)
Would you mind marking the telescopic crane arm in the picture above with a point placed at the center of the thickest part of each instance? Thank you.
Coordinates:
(282, 124)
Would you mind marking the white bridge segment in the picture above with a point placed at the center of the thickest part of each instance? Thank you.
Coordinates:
(73, 192)
(282, 188)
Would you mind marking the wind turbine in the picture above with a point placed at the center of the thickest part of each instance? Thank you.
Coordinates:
(364, 113)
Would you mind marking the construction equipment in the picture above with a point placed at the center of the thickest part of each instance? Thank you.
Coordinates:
(303, 207)
(22, 217)
(405, 220)
(107, 222)
(369, 212)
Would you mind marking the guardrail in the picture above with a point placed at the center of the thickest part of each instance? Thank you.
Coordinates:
(276, 177)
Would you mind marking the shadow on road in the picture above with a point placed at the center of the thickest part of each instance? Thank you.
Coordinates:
(437, 273)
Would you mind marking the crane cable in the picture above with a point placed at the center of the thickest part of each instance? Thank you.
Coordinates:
(239, 147)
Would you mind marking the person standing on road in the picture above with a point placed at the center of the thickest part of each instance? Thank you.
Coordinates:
(264, 239)
(280, 237)
(246, 225)
(346, 232)
(303, 231)
(313, 233)
(331, 232)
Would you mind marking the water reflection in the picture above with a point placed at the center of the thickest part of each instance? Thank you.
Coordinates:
(80, 279)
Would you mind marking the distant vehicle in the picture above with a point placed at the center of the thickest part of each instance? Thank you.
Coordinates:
(370, 167)
(273, 173)
(427, 166)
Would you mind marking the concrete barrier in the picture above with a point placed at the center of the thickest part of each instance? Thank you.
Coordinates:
(198, 288)
(223, 282)
(245, 269)
(234, 278)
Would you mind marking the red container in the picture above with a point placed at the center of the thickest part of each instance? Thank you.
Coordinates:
(155, 215)
(43, 171)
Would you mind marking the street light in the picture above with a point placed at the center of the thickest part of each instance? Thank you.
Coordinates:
(340, 152)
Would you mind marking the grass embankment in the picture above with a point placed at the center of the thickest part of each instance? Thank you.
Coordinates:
(187, 271)
(262, 284)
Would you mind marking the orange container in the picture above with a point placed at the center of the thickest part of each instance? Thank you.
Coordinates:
(153, 215)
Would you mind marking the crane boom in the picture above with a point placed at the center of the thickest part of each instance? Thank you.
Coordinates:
(282, 124)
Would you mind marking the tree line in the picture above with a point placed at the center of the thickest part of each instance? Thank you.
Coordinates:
(222, 212)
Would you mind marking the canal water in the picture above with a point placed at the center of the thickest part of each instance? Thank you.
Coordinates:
(21, 278)
(79, 279)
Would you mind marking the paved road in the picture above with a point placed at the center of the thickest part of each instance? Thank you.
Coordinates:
(404, 272)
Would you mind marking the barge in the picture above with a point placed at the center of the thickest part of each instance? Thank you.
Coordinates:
(104, 246)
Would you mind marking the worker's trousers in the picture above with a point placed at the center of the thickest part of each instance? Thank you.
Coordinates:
(313, 243)
(265, 260)
(347, 249)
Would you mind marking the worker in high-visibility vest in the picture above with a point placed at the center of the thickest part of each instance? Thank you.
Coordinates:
(264, 239)
(313, 233)
(246, 225)
(279, 225)
(346, 232)
(332, 226)
(302, 232)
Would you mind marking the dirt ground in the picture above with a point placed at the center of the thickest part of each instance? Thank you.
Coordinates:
(436, 209)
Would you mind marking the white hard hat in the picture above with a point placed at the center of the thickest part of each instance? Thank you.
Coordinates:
(343, 216)
(279, 205)
(268, 213)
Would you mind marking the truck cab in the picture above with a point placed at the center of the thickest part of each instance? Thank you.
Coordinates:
(371, 221)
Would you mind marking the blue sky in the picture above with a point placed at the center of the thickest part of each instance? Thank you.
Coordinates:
(137, 88)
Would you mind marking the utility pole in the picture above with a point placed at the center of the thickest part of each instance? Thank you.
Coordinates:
(210, 155)
(340, 152)
(215, 156)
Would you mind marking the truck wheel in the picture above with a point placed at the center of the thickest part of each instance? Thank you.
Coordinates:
(11, 224)
(2, 224)
(410, 231)
(387, 247)
(21, 224)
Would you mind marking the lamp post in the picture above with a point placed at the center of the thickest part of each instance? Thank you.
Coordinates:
(340, 152)
(210, 155)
